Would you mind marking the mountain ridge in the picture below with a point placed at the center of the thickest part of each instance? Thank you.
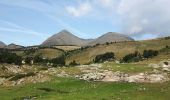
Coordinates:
(65, 37)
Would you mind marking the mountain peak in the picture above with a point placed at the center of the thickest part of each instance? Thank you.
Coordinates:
(111, 37)
(64, 37)
(113, 33)
(2, 44)
(64, 31)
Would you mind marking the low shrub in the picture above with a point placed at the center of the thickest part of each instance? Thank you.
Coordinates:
(104, 57)
(73, 63)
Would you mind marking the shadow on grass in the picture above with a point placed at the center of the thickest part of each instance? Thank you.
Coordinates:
(52, 90)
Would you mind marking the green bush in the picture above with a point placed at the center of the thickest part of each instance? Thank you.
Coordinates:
(133, 57)
(10, 58)
(104, 57)
(28, 60)
(73, 63)
(59, 61)
(150, 53)
(167, 37)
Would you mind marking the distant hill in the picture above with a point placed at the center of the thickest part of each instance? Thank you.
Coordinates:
(111, 37)
(14, 46)
(2, 45)
(120, 49)
(64, 38)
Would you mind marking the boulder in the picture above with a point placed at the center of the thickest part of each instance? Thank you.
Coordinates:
(154, 65)
(166, 69)
(154, 78)
(137, 78)
(164, 64)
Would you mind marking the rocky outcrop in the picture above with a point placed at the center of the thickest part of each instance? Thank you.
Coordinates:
(123, 77)
(12, 75)
(94, 73)
(164, 65)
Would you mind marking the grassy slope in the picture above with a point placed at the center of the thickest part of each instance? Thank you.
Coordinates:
(50, 53)
(72, 89)
(127, 68)
(67, 48)
(47, 53)
(120, 49)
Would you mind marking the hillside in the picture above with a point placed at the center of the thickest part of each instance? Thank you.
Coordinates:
(48, 53)
(67, 48)
(120, 49)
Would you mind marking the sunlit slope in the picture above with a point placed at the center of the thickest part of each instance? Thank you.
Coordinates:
(45, 53)
(120, 49)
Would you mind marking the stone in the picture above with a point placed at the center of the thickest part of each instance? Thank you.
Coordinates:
(2, 80)
(166, 69)
(154, 78)
(154, 65)
(164, 64)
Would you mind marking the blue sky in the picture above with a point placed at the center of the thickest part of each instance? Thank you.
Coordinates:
(30, 22)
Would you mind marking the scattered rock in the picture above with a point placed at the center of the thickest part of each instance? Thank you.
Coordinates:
(166, 69)
(164, 64)
(153, 65)
(63, 74)
(91, 76)
(2, 80)
(118, 76)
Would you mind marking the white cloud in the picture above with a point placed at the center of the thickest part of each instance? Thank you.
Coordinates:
(108, 3)
(81, 10)
(145, 16)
